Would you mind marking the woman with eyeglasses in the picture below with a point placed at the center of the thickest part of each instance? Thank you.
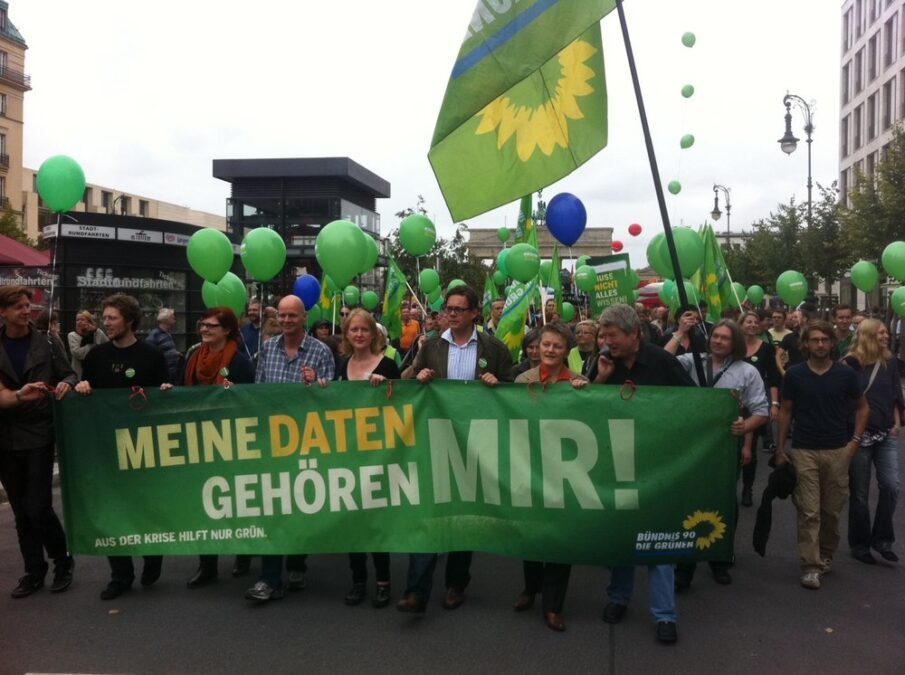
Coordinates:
(216, 360)
(362, 346)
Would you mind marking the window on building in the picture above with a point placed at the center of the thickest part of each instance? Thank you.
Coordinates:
(3, 57)
(106, 200)
(859, 18)
(873, 54)
(847, 31)
(2, 19)
(3, 200)
(3, 145)
(86, 198)
(856, 127)
(889, 42)
(843, 136)
(3, 102)
(143, 208)
(843, 187)
(845, 85)
(871, 165)
(872, 117)
(34, 183)
(859, 70)
(874, 10)
(125, 204)
(888, 103)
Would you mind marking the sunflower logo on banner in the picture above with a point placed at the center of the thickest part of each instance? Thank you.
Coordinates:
(709, 521)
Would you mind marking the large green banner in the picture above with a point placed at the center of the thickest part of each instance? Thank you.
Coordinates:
(601, 475)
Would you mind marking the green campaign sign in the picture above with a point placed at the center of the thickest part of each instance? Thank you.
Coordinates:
(614, 282)
(599, 476)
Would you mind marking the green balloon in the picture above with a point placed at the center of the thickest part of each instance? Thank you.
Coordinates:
(428, 280)
(893, 260)
(738, 296)
(437, 304)
(690, 247)
(666, 292)
(633, 278)
(341, 250)
(315, 314)
(897, 300)
(546, 269)
(210, 294)
(210, 254)
(691, 294)
(351, 296)
(499, 278)
(231, 293)
(755, 294)
(523, 262)
(454, 283)
(435, 294)
(568, 312)
(61, 183)
(370, 300)
(417, 234)
(370, 254)
(586, 278)
(792, 287)
(658, 256)
(674, 187)
(503, 234)
(263, 253)
(501, 261)
(688, 91)
(582, 260)
(688, 39)
(330, 285)
(865, 276)
(686, 141)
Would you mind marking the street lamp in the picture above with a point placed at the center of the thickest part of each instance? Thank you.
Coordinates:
(716, 213)
(788, 143)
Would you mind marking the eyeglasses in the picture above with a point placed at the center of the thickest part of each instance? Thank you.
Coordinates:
(208, 325)
(457, 310)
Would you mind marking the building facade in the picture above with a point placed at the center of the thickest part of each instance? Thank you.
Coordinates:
(872, 87)
(13, 85)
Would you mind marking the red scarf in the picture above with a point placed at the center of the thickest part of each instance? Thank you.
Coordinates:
(206, 367)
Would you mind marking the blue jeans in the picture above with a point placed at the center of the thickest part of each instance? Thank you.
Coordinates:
(661, 579)
(885, 457)
(272, 568)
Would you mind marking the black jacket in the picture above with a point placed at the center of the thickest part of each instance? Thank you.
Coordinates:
(30, 425)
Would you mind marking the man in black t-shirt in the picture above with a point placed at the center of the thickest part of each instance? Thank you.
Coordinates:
(820, 395)
(123, 362)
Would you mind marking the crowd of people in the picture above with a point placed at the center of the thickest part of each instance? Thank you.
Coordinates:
(822, 397)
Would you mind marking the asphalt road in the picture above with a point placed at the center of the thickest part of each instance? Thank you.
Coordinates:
(763, 622)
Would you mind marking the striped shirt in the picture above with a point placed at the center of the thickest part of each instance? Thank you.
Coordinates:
(462, 360)
(273, 366)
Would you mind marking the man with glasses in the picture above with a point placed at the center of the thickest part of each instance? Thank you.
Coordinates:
(820, 395)
(461, 352)
(293, 356)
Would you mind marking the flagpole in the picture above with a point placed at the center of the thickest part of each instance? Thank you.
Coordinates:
(658, 186)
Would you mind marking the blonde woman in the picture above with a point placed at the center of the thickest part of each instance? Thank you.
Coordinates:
(83, 339)
(869, 355)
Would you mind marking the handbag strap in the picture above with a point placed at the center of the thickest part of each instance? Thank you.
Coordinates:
(873, 376)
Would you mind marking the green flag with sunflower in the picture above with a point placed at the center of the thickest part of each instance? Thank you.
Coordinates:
(491, 293)
(328, 301)
(525, 105)
(393, 294)
(526, 230)
(713, 280)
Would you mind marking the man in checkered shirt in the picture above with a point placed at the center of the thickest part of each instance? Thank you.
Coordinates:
(293, 356)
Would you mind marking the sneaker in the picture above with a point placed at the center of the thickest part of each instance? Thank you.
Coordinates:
(262, 592)
(382, 596)
(666, 631)
(356, 594)
(28, 585)
(811, 580)
(114, 590)
(297, 581)
(614, 612)
(62, 576)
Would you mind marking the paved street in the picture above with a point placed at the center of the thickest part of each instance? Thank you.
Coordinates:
(763, 622)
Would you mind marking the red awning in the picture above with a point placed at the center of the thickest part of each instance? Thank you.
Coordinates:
(13, 252)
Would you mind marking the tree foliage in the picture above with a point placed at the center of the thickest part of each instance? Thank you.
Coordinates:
(9, 227)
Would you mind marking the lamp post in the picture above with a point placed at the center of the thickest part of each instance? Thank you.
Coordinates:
(716, 213)
(789, 143)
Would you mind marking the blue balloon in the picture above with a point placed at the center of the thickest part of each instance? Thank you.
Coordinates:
(308, 290)
(566, 218)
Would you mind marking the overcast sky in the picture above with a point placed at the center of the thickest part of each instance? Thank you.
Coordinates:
(145, 95)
